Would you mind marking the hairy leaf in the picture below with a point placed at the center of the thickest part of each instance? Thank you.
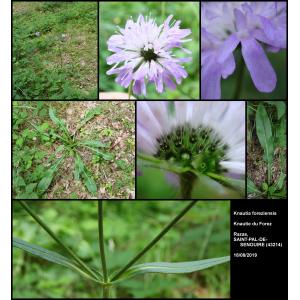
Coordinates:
(45, 182)
(280, 181)
(89, 115)
(251, 187)
(96, 144)
(281, 133)
(57, 121)
(280, 107)
(79, 167)
(104, 155)
(90, 183)
(264, 133)
(81, 171)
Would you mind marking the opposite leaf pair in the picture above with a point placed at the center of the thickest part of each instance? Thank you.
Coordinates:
(76, 264)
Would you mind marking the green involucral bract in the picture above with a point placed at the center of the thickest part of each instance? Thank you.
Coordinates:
(197, 148)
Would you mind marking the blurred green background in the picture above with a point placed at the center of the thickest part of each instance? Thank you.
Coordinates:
(128, 227)
(248, 90)
(113, 14)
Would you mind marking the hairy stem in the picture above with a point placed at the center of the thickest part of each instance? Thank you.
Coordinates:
(51, 233)
(101, 241)
(187, 180)
(156, 239)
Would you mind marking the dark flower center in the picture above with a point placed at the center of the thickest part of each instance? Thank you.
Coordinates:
(198, 148)
(149, 55)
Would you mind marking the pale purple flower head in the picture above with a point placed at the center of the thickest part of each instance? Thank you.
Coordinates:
(224, 25)
(143, 53)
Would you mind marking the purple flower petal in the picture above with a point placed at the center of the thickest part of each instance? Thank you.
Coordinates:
(261, 71)
(211, 82)
(268, 28)
(169, 82)
(228, 67)
(228, 47)
(240, 20)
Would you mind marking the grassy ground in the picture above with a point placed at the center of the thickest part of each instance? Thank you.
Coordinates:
(128, 227)
(113, 14)
(54, 50)
(32, 152)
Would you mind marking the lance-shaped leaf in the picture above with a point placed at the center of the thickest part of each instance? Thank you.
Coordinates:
(79, 167)
(281, 133)
(172, 268)
(89, 182)
(105, 155)
(82, 171)
(96, 144)
(280, 106)
(264, 133)
(89, 115)
(57, 121)
(51, 256)
(45, 182)
(251, 187)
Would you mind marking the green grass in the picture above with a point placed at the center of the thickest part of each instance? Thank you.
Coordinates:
(113, 14)
(60, 63)
(35, 151)
(128, 227)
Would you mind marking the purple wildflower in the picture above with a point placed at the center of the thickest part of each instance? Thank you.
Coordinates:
(224, 25)
(143, 54)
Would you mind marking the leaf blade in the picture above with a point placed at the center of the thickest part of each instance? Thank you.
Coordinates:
(251, 187)
(82, 171)
(50, 256)
(172, 268)
(57, 121)
(90, 115)
(46, 181)
(264, 132)
(93, 143)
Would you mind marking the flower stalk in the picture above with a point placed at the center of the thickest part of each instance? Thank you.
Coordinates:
(130, 89)
(101, 249)
(187, 180)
